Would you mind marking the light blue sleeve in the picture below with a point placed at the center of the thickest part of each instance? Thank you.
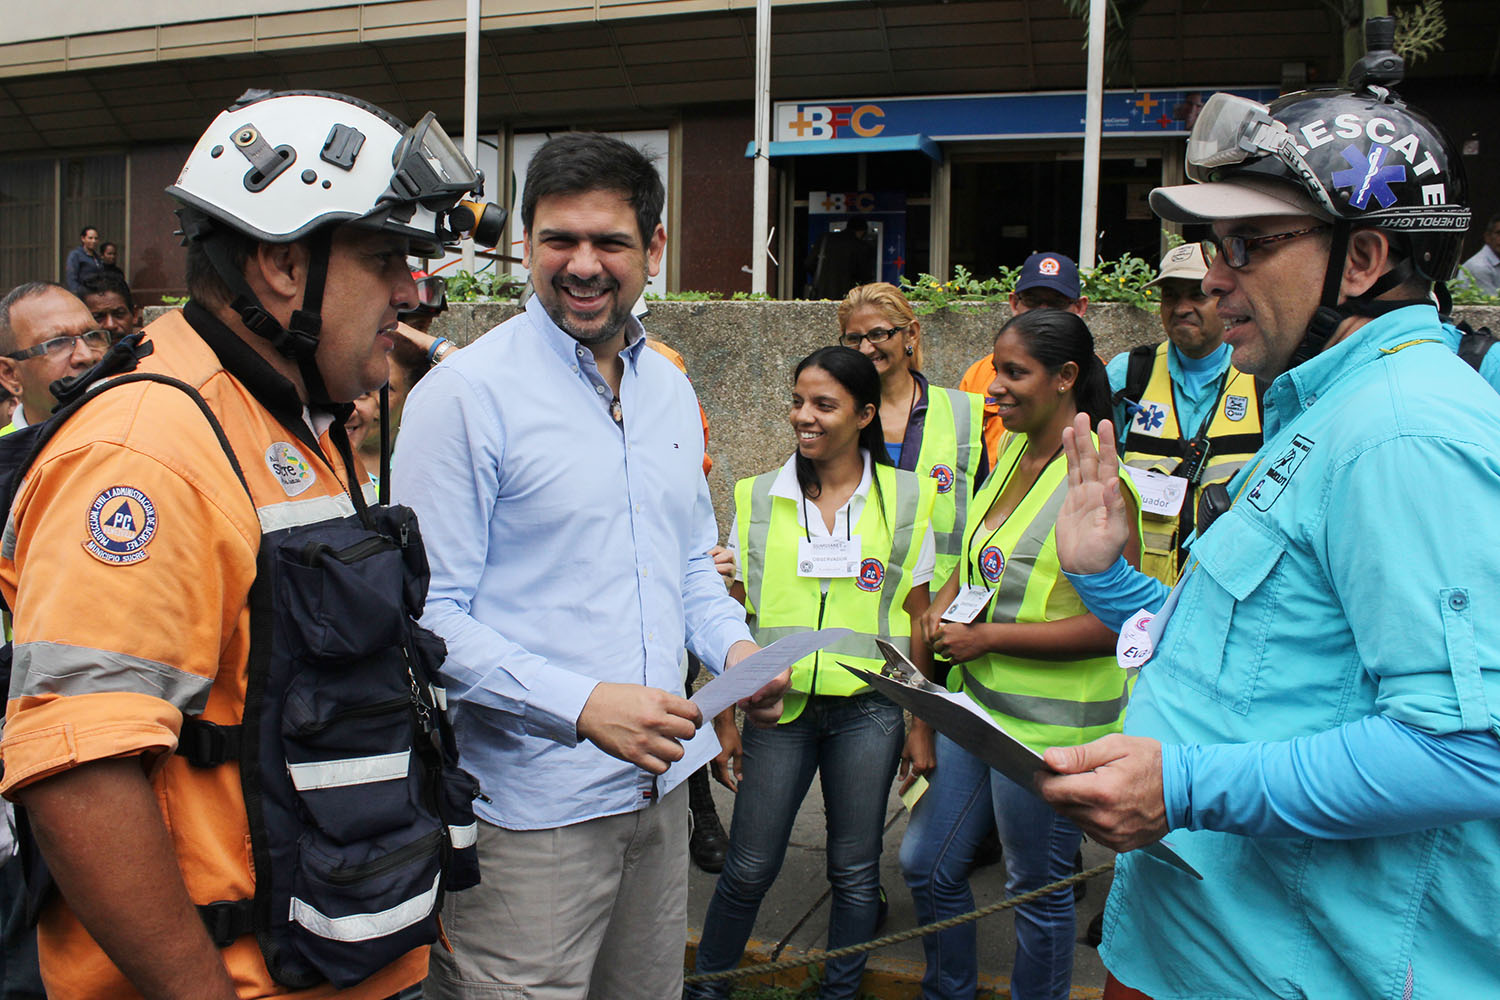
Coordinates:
(447, 468)
(1119, 592)
(1117, 369)
(714, 621)
(1373, 777)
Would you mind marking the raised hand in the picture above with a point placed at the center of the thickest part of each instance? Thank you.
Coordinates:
(1094, 523)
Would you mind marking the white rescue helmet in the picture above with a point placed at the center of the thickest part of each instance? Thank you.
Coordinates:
(277, 166)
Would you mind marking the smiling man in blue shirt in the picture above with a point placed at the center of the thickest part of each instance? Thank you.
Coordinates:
(558, 464)
(1317, 726)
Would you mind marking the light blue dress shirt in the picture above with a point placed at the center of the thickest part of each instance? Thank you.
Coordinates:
(1343, 612)
(565, 551)
(1195, 384)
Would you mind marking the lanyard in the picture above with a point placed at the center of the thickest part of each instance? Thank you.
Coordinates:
(969, 548)
(848, 519)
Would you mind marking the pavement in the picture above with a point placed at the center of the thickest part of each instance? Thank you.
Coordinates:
(793, 918)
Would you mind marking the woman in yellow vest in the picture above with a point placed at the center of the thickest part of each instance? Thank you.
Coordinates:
(932, 431)
(1024, 647)
(836, 537)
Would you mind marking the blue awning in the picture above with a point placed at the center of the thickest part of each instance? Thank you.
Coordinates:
(874, 144)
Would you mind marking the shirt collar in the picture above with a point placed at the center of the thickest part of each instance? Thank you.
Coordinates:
(787, 487)
(1300, 388)
(1215, 361)
(570, 350)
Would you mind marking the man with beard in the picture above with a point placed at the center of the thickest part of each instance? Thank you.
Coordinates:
(556, 465)
(1187, 419)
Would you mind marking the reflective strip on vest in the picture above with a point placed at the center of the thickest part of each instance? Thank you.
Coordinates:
(1047, 711)
(366, 926)
(57, 668)
(1006, 607)
(463, 836)
(859, 644)
(295, 513)
(950, 511)
(350, 771)
(869, 614)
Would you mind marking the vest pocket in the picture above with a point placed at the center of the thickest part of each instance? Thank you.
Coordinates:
(458, 794)
(347, 735)
(319, 579)
(353, 909)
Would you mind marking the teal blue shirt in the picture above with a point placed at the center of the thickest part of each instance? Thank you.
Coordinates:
(1354, 577)
(1195, 386)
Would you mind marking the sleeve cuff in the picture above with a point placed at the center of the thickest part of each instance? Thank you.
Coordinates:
(711, 643)
(553, 707)
(1176, 782)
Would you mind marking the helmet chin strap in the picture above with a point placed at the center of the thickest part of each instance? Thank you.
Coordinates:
(1331, 313)
(297, 340)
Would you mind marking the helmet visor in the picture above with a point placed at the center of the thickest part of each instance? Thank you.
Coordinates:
(1233, 130)
(428, 167)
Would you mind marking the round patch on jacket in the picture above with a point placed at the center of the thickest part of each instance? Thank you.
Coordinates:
(991, 563)
(122, 522)
(944, 476)
(871, 574)
(290, 468)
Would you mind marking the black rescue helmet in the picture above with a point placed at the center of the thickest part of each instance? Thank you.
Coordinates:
(1365, 157)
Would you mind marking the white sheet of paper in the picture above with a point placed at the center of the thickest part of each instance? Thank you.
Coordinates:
(734, 685)
(1160, 494)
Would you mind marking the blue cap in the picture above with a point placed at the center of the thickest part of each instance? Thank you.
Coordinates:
(1050, 270)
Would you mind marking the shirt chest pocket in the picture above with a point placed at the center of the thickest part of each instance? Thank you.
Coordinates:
(1221, 629)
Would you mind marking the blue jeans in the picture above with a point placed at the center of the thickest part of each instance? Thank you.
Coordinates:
(854, 743)
(936, 854)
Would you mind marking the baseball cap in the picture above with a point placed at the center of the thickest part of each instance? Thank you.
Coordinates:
(1185, 261)
(1050, 270)
(1239, 198)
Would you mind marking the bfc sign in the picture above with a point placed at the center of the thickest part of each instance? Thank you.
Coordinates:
(834, 121)
(995, 116)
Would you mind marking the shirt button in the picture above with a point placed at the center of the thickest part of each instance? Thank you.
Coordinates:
(1458, 601)
(580, 352)
(599, 389)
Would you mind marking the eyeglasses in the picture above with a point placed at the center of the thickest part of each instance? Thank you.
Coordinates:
(1236, 249)
(875, 336)
(63, 346)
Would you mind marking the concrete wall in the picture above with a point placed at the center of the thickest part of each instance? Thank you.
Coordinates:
(741, 355)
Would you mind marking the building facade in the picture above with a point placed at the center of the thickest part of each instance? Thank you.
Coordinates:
(953, 128)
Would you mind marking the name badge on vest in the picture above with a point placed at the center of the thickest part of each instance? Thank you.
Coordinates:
(1161, 494)
(1235, 407)
(971, 600)
(828, 558)
(1142, 631)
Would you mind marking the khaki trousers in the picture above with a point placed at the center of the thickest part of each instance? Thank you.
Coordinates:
(592, 911)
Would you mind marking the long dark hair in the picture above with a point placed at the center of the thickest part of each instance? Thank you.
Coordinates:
(857, 374)
(1054, 337)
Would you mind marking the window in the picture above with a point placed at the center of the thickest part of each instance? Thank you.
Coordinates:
(44, 203)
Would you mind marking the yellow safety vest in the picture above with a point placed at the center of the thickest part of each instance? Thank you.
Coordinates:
(1234, 436)
(1042, 703)
(778, 602)
(952, 449)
